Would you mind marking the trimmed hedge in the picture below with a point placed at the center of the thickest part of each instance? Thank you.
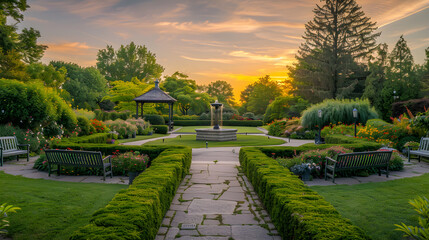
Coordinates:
(247, 123)
(154, 119)
(137, 212)
(162, 129)
(297, 211)
(94, 138)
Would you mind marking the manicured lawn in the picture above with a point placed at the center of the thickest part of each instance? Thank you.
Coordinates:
(242, 140)
(375, 207)
(140, 137)
(52, 209)
(191, 129)
(265, 127)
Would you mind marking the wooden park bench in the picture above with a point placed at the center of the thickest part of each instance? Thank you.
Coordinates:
(78, 159)
(423, 150)
(9, 147)
(356, 161)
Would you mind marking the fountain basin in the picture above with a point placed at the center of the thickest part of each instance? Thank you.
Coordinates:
(217, 135)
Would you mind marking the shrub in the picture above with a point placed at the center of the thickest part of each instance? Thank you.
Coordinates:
(249, 115)
(181, 117)
(334, 129)
(85, 126)
(36, 140)
(137, 212)
(84, 113)
(277, 128)
(112, 115)
(396, 162)
(285, 107)
(297, 211)
(337, 111)
(31, 106)
(378, 130)
(421, 206)
(154, 119)
(123, 163)
(205, 116)
(123, 128)
(99, 126)
(4, 211)
(162, 129)
(142, 125)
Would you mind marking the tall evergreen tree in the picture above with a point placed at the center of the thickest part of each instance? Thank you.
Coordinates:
(401, 79)
(375, 80)
(338, 38)
(424, 76)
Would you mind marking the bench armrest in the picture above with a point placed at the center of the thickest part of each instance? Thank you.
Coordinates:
(24, 145)
(108, 157)
(328, 160)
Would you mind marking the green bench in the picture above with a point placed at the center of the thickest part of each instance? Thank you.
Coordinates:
(423, 150)
(356, 161)
(78, 159)
(9, 147)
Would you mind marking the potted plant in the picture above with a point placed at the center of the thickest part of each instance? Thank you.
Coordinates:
(303, 170)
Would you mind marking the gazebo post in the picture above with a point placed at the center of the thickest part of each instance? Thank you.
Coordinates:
(170, 116)
(141, 106)
(137, 110)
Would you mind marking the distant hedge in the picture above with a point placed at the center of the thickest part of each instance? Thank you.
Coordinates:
(137, 212)
(154, 119)
(247, 123)
(297, 211)
(162, 129)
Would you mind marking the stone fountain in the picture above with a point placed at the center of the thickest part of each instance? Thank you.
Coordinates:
(216, 133)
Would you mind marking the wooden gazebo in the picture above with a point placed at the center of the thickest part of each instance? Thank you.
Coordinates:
(156, 95)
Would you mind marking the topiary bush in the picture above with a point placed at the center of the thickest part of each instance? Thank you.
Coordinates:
(154, 119)
(161, 129)
(337, 112)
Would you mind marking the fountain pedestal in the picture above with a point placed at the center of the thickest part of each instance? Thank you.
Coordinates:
(216, 133)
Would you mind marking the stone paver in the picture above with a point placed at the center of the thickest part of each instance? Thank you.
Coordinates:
(217, 201)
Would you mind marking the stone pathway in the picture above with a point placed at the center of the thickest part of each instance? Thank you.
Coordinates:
(216, 201)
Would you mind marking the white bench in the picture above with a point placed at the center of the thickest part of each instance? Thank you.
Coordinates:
(9, 147)
(423, 150)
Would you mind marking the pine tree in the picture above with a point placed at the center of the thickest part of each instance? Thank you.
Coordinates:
(424, 78)
(374, 82)
(338, 38)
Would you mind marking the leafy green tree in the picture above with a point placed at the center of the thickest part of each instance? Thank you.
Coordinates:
(257, 96)
(184, 90)
(285, 107)
(13, 9)
(339, 36)
(11, 66)
(424, 75)
(86, 86)
(30, 50)
(222, 91)
(123, 93)
(127, 62)
(47, 74)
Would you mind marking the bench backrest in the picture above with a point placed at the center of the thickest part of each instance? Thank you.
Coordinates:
(73, 158)
(363, 159)
(8, 143)
(424, 144)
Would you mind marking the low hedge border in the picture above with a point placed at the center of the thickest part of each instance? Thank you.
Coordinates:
(137, 212)
(94, 138)
(297, 211)
(161, 129)
(247, 123)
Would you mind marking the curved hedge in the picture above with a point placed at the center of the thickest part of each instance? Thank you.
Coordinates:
(137, 212)
(297, 211)
(154, 119)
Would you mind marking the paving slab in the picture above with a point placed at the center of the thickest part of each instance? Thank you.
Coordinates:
(207, 206)
(250, 232)
(239, 219)
(215, 230)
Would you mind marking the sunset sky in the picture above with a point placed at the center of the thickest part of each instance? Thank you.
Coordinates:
(233, 40)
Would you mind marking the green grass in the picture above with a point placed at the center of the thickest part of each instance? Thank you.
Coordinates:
(242, 140)
(140, 137)
(375, 207)
(265, 127)
(52, 209)
(191, 129)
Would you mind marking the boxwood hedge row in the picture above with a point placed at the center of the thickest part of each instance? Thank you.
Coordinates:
(247, 123)
(137, 212)
(297, 211)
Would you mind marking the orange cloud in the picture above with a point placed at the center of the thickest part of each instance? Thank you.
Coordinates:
(76, 52)
(279, 60)
(207, 59)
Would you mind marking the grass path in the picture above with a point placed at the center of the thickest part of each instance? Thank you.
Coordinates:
(52, 209)
(242, 140)
(240, 129)
(375, 207)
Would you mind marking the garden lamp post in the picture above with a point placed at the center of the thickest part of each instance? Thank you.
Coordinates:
(355, 116)
(319, 114)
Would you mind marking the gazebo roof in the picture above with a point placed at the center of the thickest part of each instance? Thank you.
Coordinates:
(156, 95)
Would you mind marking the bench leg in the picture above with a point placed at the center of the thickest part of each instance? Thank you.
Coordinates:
(49, 169)
(17, 157)
(379, 172)
(58, 170)
(333, 176)
(419, 158)
(1, 161)
(28, 156)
